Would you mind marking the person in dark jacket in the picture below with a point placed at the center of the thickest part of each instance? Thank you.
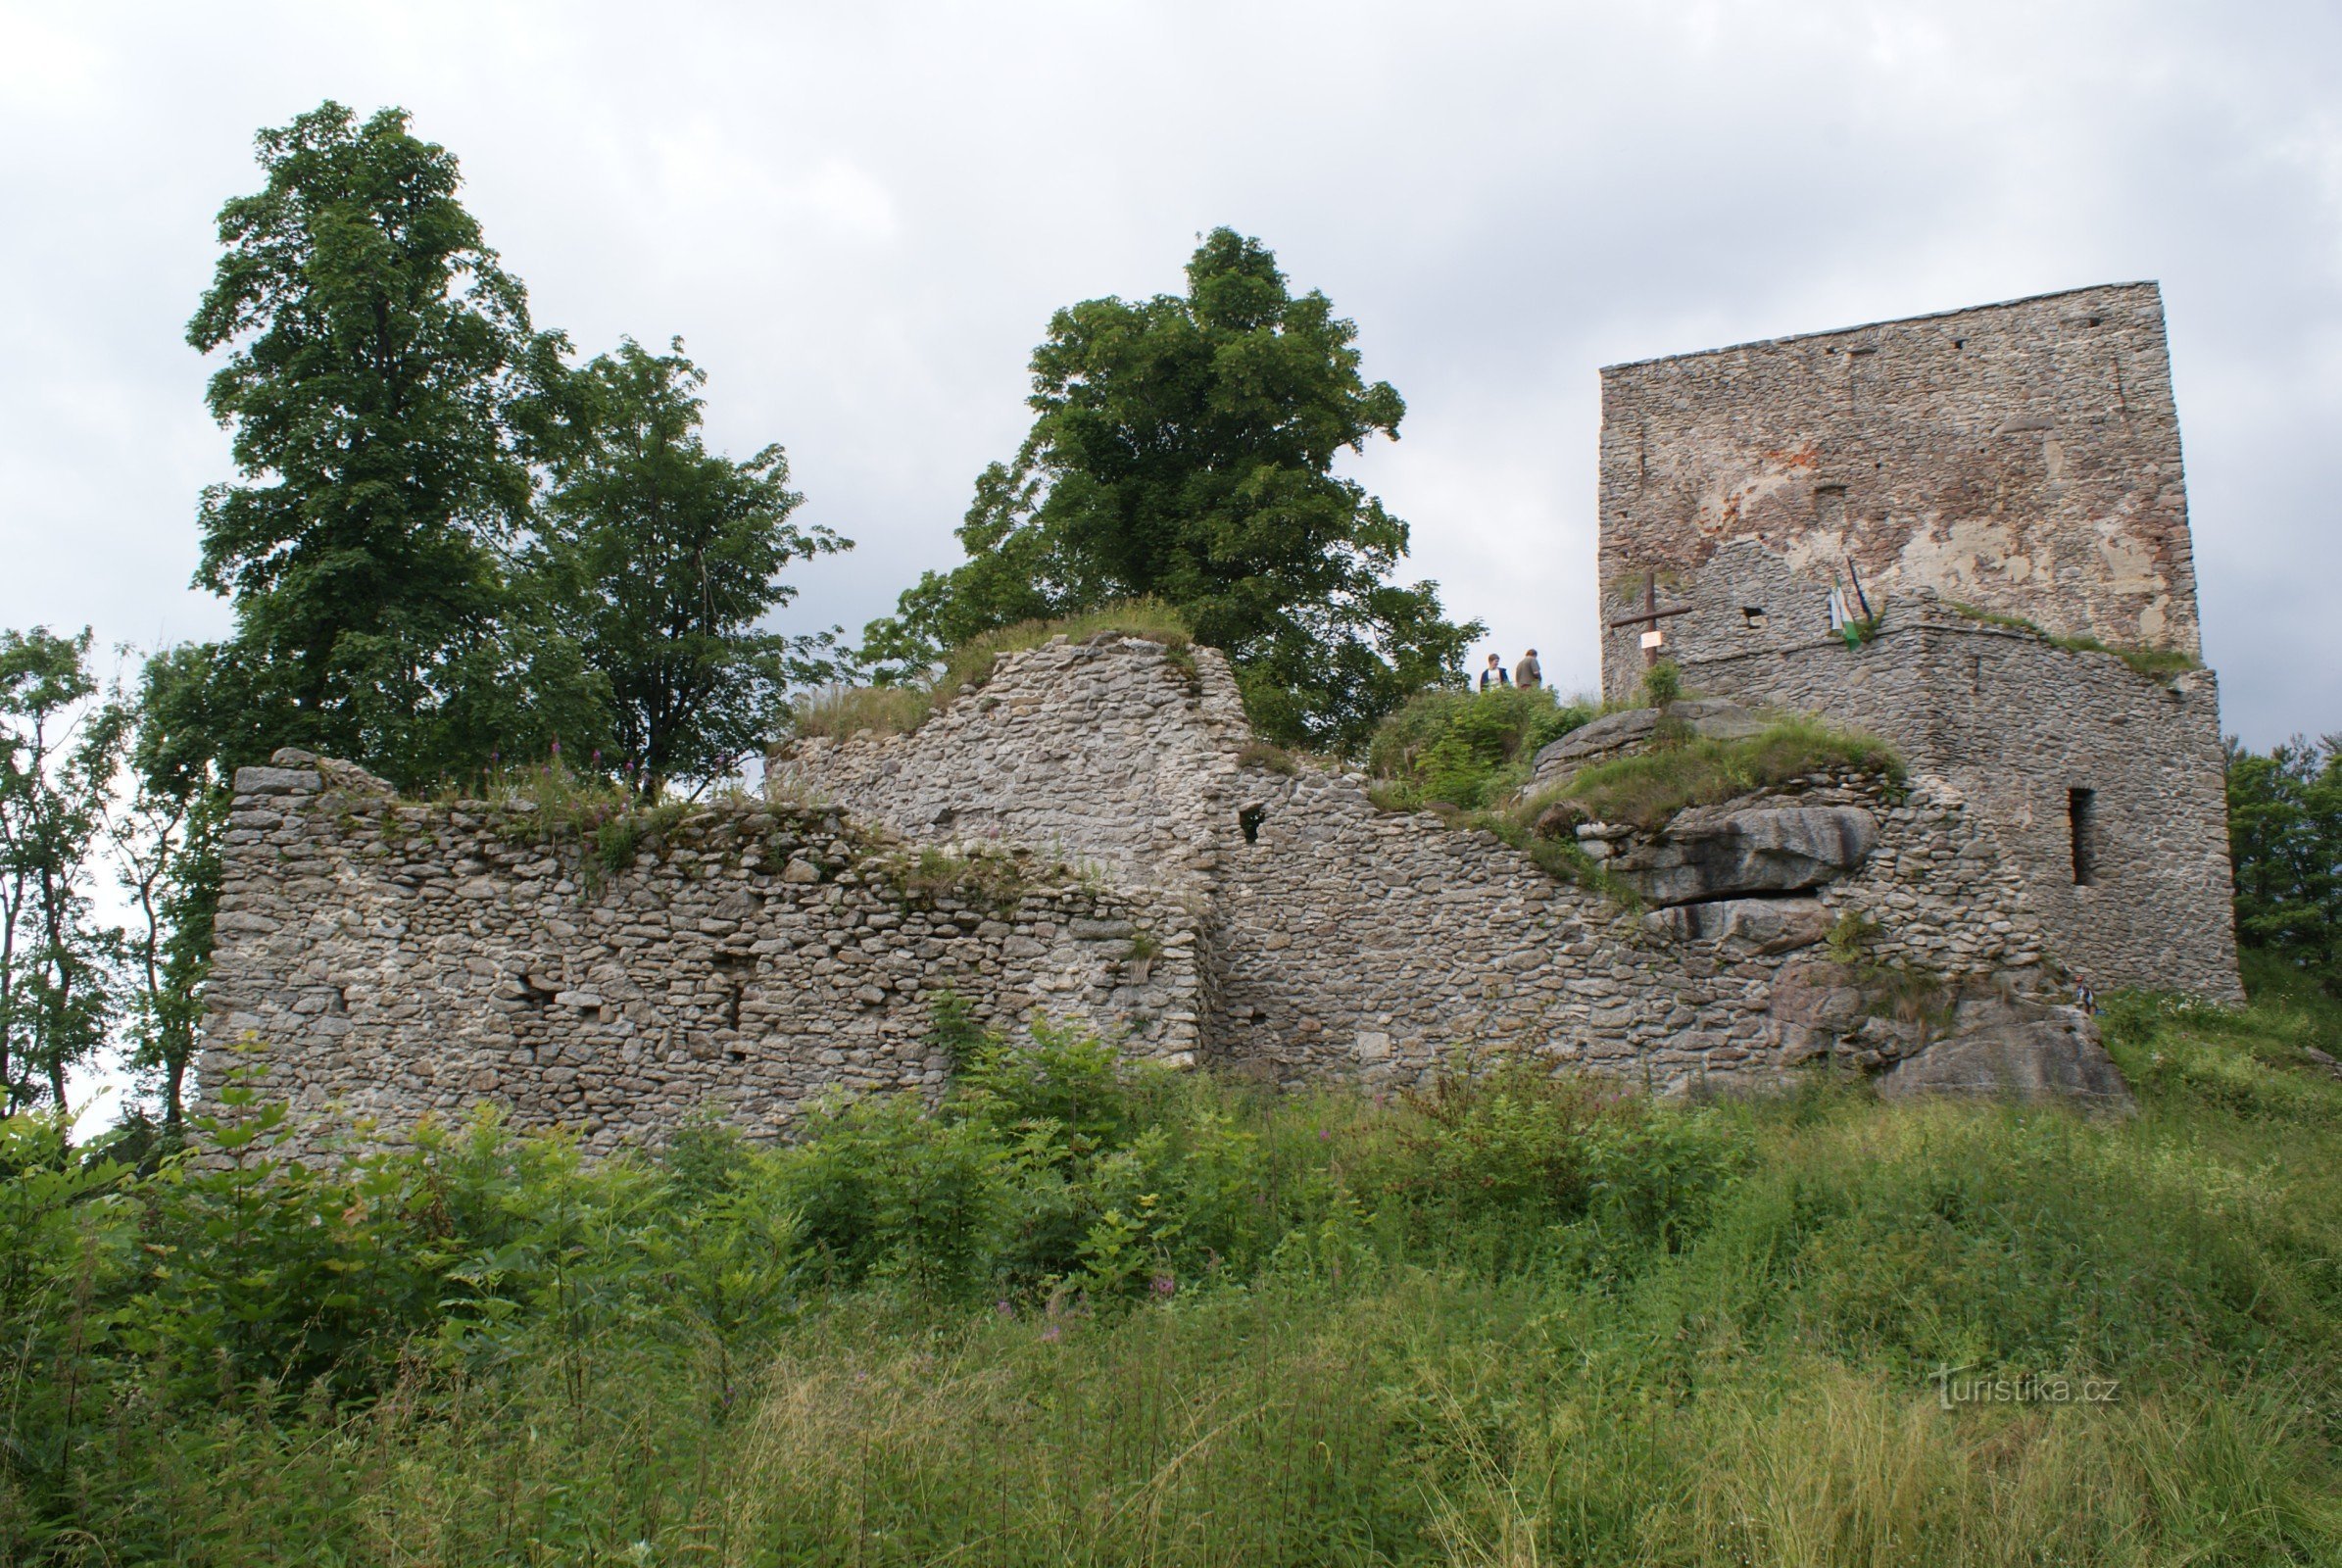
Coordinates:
(1494, 674)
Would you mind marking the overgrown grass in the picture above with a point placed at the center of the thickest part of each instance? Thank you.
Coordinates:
(996, 877)
(1465, 748)
(603, 825)
(1650, 786)
(899, 709)
(1081, 1315)
(2156, 664)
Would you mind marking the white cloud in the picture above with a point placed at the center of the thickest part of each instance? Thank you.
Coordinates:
(860, 217)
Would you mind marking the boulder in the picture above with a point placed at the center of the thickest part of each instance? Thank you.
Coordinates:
(1764, 925)
(1723, 852)
(1979, 1037)
(2013, 1049)
(275, 781)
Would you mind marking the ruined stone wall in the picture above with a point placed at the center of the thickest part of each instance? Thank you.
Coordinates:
(396, 958)
(1347, 940)
(1352, 940)
(2021, 457)
(1117, 751)
(2019, 724)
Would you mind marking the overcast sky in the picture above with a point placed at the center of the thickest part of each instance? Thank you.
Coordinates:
(860, 217)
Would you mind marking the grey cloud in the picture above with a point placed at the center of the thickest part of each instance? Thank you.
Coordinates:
(860, 217)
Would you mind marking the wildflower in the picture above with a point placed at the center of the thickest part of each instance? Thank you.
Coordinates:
(1052, 1333)
(1164, 1285)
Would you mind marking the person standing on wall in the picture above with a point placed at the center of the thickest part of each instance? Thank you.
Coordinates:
(1494, 674)
(1527, 675)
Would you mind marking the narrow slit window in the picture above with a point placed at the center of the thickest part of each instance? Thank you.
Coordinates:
(2081, 821)
(1249, 823)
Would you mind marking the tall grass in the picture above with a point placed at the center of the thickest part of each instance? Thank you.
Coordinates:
(1077, 1315)
(840, 710)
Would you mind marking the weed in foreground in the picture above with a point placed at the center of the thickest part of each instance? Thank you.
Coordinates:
(1076, 1310)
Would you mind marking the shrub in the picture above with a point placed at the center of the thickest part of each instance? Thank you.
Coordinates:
(1126, 1315)
(1467, 749)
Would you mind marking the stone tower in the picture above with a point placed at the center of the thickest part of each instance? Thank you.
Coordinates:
(1968, 532)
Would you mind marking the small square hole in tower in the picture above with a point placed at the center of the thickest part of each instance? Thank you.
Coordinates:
(1754, 614)
(2081, 824)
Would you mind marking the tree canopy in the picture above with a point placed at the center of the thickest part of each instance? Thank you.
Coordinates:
(1182, 447)
(2285, 844)
(658, 560)
(372, 338)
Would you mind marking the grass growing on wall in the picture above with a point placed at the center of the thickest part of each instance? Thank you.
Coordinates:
(841, 710)
(2156, 664)
(1650, 786)
(1084, 1314)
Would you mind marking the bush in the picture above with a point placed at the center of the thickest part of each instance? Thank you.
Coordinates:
(1467, 749)
(1076, 1309)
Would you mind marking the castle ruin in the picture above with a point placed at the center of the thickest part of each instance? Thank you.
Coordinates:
(1987, 492)
(1089, 832)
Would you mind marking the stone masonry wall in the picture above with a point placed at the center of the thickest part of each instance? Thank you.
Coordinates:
(1344, 939)
(396, 958)
(1117, 751)
(2017, 724)
(2021, 457)
(1355, 939)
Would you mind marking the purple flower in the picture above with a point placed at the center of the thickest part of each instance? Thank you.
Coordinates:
(1005, 1307)
(1164, 1285)
(556, 746)
(1324, 1133)
(1052, 1333)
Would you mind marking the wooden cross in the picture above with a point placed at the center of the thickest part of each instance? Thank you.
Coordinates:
(1650, 616)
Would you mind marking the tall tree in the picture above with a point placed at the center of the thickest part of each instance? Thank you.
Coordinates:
(660, 561)
(2285, 844)
(167, 840)
(60, 750)
(1184, 447)
(370, 339)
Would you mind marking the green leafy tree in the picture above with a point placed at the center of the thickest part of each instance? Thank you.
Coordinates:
(167, 838)
(370, 339)
(1183, 449)
(659, 561)
(60, 750)
(2285, 844)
